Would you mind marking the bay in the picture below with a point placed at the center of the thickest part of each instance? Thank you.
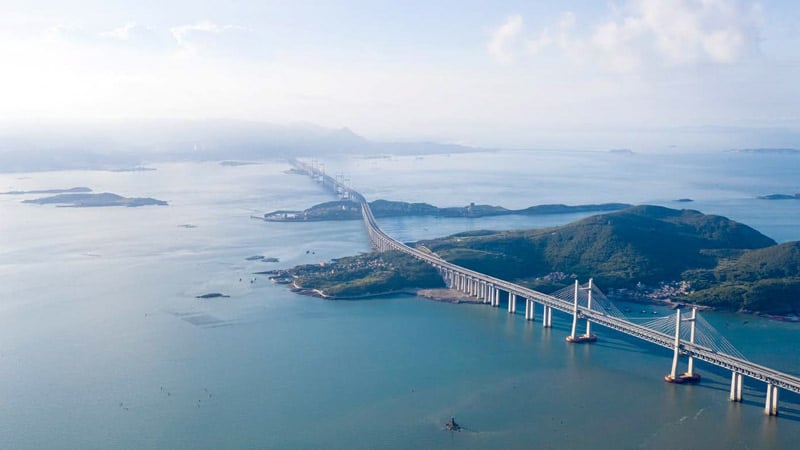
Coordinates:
(104, 345)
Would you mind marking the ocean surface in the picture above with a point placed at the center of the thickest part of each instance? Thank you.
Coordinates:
(104, 345)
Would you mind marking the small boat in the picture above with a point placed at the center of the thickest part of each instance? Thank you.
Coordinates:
(451, 425)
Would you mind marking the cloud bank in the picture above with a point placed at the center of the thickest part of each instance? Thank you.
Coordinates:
(641, 33)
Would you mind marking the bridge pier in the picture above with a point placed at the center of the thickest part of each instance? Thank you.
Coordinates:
(547, 317)
(512, 303)
(771, 405)
(495, 297)
(736, 387)
(529, 309)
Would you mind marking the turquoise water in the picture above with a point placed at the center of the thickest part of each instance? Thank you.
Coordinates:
(103, 345)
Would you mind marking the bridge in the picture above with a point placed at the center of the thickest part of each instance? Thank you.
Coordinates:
(491, 290)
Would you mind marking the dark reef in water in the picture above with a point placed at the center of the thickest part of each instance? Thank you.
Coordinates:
(213, 295)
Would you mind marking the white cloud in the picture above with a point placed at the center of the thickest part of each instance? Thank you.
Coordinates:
(125, 32)
(504, 38)
(644, 32)
(190, 38)
(688, 31)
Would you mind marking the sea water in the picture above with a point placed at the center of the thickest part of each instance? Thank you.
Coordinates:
(103, 343)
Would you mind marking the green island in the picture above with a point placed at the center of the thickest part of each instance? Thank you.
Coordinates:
(363, 275)
(642, 253)
(84, 200)
(350, 210)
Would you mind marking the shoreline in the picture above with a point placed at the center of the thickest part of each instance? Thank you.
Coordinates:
(437, 295)
(454, 297)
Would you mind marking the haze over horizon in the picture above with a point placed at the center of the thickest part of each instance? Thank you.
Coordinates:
(640, 74)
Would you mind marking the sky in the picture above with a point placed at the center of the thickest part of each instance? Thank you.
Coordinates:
(520, 74)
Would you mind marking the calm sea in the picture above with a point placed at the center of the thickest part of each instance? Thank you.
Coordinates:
(104, 345)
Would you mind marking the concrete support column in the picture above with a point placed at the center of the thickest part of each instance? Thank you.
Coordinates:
(736, 387)
(574, 311)
(589, 307)
(547, 317)
(512, 300)
(674, 372)
(690, 372)
(771, 405)
(527, 309)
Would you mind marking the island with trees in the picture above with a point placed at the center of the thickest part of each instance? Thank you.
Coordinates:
(645, 253)
(350, 210)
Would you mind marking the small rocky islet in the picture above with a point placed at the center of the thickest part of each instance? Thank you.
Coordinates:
(212, 295)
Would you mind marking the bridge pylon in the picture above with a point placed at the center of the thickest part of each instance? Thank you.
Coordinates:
(588, 337)
(688, 376)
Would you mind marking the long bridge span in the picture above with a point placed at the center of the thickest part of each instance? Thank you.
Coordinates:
(491, 289)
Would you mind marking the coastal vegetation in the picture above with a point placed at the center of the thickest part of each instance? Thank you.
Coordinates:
(715, 261)
(364, 275)
(83, 200)
(726, 264)
(350, 210)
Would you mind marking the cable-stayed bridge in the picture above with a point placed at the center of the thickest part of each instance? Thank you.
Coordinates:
(696, 340)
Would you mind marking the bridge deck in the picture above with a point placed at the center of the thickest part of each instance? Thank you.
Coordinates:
(735, 364)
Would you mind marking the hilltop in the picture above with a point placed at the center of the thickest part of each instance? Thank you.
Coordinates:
(644, 244)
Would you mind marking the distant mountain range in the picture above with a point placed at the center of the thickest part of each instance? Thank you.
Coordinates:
(130, 144)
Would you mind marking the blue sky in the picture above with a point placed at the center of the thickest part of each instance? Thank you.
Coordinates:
(585, 74)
